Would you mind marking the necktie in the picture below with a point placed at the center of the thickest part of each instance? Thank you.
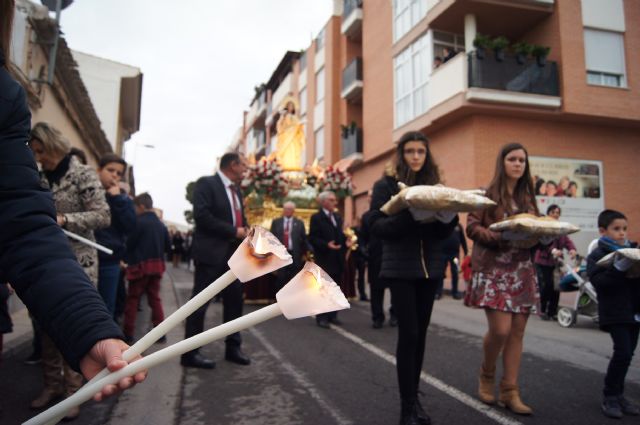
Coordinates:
(333, 220)
(287, 232)
(237, 212)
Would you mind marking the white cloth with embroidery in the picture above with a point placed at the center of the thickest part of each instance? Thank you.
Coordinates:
(530, 224)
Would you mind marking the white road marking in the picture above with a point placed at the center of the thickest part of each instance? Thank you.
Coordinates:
(434, 382)
(301, 379)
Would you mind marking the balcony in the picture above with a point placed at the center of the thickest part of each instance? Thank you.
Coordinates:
(261, 104)
(352, 81)
(352, 19)
(351, 142)
(511, 82)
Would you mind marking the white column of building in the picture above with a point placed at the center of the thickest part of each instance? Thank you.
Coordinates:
(469, 31)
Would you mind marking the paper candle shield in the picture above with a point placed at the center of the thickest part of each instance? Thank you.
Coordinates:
(535, 226)
(260, 253)
(633, 254)
(310, 292)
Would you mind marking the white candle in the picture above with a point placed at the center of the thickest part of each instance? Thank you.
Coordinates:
(88, 391)
(88, 242)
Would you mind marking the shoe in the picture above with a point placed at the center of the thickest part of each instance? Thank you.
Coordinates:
(235, 355)
(421, 415)
(393, 321)
(438, 296)
(162, 340)
(545, 317)
(510, 398)
(377, 324)
(335, 321)
(408, 414)
(611, 407)
(197, 360)
(72, 414)
(628, 408)
(487, 385)
(34, 358)
(364, 299)
(458, 296)
(323, 324)
(46, 397)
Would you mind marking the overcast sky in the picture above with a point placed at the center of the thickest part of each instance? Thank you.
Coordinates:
(201, 60)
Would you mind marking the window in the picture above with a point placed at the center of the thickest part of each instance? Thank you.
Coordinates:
(604, 58)
(411, 72)
(406, 14)
(320, 85)
(320, 41)
(442, 40)
(303, 102)
(319, 137)
(303, 61)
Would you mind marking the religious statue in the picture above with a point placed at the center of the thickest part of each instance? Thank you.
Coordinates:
(290, 133)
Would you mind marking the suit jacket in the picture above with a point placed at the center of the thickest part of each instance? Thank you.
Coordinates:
(35, 256)
(299, 243)
(215, 235)
(321, 232)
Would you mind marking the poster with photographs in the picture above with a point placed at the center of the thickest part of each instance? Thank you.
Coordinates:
(576, 186)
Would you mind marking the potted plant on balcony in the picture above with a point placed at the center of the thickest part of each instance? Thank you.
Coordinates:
(499, 44)
(481, 43)
(540, 53)
(523, 50)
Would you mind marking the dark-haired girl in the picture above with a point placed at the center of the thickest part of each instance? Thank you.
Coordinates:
(412, 262)
(504, 278)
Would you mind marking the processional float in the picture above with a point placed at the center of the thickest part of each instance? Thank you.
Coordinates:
(310, 292)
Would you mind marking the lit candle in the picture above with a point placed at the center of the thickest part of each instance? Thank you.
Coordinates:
(310, 292)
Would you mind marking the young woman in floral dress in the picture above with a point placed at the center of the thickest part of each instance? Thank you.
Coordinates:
(504, 278)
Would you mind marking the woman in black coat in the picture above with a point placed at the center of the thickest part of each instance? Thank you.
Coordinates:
(412, 263)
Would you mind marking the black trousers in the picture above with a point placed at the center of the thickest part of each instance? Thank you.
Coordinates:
(377, 287)
(413, 303)
(336, 275)
(549, 297)
(361, 266)
(625, 341)
(232, 301)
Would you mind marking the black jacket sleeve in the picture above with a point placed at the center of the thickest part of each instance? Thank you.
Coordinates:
(383, 226)
(123, 214)
(601, 277)
(35, 256)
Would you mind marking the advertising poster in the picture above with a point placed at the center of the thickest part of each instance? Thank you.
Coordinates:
(576, 186)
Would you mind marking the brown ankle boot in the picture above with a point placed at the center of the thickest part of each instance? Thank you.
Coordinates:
(487, 386)
(46, 397)
(510, 398)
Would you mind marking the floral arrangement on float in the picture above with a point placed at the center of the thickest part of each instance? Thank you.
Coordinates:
(335, 180)
(265, 179)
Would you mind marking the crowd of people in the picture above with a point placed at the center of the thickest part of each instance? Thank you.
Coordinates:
(71, 290)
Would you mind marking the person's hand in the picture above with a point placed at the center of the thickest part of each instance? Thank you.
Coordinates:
(114, 189)
(422, 215)
(108, 353)
(241, 232)
(446, 217)
(333, 245)
(348, 243)
(61, 220)
(510, 235)
(622, 263)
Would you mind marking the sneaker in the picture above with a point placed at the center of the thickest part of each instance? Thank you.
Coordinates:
(34, 358)
(628, 408)
(611, 407)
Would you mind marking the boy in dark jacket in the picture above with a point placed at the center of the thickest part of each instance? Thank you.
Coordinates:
(123, 221)
(145, 258)
(618, 309)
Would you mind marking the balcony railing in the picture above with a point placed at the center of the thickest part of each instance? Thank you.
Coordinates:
(352, 18)
(352, 80)
(351, 141)
(509, 75)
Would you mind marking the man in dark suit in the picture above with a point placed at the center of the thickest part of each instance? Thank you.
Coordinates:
(291, 232)
(220, 228)
(329, 246)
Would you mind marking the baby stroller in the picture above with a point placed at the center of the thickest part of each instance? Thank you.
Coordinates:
(586, 302)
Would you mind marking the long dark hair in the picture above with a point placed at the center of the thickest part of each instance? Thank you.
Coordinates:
(6, 23)
(523, 193)
(428, 174)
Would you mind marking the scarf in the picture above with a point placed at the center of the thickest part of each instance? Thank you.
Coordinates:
(54, 177)
(610, 245)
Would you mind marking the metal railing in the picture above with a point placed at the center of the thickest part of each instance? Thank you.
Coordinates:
(352, 72)
(351, 141)
(350, 6)
(509, 75)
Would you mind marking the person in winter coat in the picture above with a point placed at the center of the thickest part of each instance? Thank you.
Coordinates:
(618, 309)
(123, 221)
(504, 279)
(412, 263)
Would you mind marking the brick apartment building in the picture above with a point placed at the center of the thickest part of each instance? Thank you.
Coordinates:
(369, 76)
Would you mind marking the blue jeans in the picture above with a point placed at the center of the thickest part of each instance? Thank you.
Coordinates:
(108, 285)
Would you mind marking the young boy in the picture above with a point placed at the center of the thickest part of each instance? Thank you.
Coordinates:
(123, 220)
(145, 258)
(618, 308)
